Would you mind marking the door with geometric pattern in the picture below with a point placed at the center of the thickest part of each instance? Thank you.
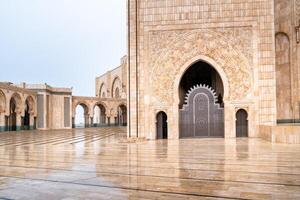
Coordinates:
(201, 116)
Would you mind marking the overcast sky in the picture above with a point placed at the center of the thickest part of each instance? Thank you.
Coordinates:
(65, 43)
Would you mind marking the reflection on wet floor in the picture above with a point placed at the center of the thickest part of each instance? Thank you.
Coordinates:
(98, 164)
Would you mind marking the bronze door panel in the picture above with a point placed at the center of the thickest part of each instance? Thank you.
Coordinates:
(201, 116)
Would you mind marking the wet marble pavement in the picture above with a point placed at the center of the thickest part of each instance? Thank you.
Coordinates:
(98, 164)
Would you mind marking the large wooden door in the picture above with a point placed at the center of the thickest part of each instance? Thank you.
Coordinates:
(201, 116)
(241, 123)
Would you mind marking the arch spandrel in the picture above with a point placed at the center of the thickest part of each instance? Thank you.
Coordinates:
(171, 50)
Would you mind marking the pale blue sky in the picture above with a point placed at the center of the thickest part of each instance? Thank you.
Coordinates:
(64, 43)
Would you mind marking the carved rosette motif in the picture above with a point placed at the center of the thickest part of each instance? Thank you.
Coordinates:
(171, 50)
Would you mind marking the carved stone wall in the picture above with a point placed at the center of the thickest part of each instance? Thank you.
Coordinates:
(166, 36)
(111, 105)
(106, 83)
(297, 11)
(170, 50)
(283, 77)
(287, 15)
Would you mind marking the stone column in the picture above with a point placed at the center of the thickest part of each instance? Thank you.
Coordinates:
(73, 122)
(108, 121)
(19, 122)
(87, 120)
(31, 122)
(2, 122)
(132, 86)
(229, 120)
(112, 120)
(103, 119)
(92, 121)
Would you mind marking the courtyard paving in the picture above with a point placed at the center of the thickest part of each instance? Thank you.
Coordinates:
(100, 164)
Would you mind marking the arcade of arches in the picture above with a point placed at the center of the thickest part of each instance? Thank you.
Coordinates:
(115, 92)
(28, 109)
(111, 112)
(17, 111)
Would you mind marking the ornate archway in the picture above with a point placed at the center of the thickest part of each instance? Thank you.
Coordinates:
(201, 93)
(15, 107)
(122, 115)
(81, 116)
(170, 58)
(116, 88)
(29, 119)
(103, 91)
(99, 117)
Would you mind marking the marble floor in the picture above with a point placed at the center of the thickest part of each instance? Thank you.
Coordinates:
(99, 164)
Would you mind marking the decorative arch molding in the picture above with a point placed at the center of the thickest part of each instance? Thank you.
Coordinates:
(2, 102)
(86, 107)
(116, 84)
(282, 33)
(173, 52)
(209, 61)
(122, 104)
(19, 103)
(99, 103)
(32, 105)
(103, 90)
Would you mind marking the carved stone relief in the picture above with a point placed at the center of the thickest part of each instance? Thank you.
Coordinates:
(230, 48)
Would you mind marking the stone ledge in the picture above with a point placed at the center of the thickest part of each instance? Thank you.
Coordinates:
(287, 134)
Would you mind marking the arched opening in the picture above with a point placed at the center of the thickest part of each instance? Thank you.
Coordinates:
(283, 79)
(13, 115)
(116, 88)
(99, 117)
(122, 115)
(241, 123)
(117, 93)
(102, 91)
(2, 111)
(28, 119)
(81, 116)
(201, 73)
(201, 107)
(161, 125)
